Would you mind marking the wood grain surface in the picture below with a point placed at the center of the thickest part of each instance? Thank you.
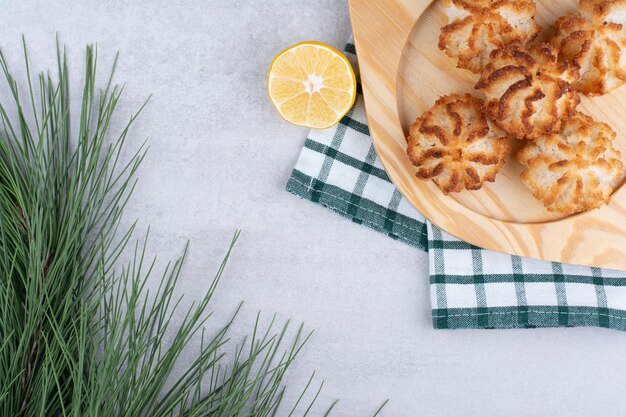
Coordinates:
(403, 73)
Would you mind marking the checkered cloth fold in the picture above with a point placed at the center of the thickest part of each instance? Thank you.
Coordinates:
(470, 287)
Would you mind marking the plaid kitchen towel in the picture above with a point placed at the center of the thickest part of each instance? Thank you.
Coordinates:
(470, 287)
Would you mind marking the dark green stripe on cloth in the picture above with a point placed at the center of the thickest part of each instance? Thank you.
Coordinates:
(527, 317)
(346, 159)
(526, 277)
(368, 213)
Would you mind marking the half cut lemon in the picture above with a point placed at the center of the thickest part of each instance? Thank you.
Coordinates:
(312, 84)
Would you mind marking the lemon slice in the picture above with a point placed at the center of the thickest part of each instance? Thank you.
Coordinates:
(311, 84)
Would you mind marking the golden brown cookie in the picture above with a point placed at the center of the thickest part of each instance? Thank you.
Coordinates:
(610, 11)
(456, 145)
(595, 45)
(574, 170)
(528, 92)
(477, 27)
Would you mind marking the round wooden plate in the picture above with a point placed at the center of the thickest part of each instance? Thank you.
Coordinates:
(403, 72)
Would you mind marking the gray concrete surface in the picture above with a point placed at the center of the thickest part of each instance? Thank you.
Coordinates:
(219, 160)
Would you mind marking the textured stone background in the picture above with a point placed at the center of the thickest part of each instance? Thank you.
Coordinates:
(219, 160)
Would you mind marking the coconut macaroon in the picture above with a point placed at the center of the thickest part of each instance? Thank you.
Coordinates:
(477, 27)
(575, 169)
(610, 11)
(595, 44)
(454, 144)
(528, 91)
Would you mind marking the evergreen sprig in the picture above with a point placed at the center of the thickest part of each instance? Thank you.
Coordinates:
(81, 335)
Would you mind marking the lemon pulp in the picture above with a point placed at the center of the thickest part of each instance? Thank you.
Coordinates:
(312, 84)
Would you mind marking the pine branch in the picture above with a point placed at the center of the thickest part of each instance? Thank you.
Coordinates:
(80, 333)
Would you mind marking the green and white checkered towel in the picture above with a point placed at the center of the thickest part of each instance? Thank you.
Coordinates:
(470, 287)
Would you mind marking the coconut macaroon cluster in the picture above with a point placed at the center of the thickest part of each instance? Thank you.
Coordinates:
(456, 145)
(594, 42)
(530, 93)
(478, 27)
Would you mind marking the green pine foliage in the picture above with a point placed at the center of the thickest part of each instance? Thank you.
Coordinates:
(80, 333)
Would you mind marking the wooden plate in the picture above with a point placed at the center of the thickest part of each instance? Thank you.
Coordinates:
(403, 73)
